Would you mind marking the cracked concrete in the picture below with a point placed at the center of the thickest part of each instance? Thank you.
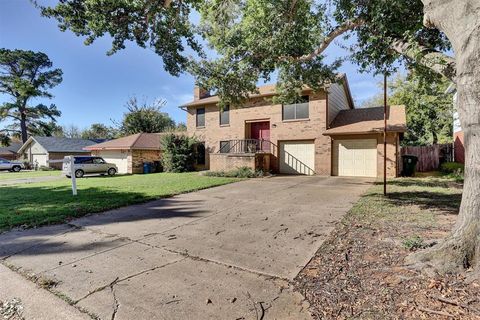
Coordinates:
(228, 252)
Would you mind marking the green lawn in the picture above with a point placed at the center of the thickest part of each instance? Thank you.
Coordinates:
(411, 200)
(359, 271)
(51, 202)
(5, 175)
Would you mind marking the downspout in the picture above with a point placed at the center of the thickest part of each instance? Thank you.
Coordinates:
(327, 120)
(327, 124)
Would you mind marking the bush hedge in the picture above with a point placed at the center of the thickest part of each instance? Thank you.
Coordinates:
(452, 167)
(178, 153)
(241, 172)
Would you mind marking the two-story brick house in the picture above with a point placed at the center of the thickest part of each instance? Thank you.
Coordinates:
(321, 134)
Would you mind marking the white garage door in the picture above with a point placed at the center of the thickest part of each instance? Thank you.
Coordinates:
(297, 157)
(120, 158)
(355, 158)
(40, 159)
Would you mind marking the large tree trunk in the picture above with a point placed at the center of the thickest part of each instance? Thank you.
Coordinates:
(23, 126)
(434, 136)
(460, 21)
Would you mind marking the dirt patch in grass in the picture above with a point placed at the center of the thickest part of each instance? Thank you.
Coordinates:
(359, 272)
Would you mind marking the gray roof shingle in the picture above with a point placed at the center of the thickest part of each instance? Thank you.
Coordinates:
(60, 144)
(11, 149)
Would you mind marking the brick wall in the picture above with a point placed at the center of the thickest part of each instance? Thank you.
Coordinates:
(228, 162)
(392, 155)
(261, 109)
(138, 157)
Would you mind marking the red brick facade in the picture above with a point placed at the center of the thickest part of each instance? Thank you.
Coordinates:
(262, 109)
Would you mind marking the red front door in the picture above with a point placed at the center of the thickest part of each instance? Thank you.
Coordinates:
(261, 131)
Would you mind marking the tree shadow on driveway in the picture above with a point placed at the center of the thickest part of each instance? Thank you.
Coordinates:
(32, 206)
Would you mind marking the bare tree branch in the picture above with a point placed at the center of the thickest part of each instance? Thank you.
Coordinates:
(338, 31)
(427, 57)
(434, 60)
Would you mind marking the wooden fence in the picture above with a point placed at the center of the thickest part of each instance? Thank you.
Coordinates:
(429, 157)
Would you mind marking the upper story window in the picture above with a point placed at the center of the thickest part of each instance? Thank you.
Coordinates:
(225, 115)
(200, 117)
(297, 110)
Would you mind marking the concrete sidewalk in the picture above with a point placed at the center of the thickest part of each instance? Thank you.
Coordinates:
(36, 303)
(229, 252)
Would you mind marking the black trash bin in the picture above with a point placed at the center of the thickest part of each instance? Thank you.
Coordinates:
(409, 164)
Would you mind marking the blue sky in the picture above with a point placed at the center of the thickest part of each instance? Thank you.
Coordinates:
(95, 86)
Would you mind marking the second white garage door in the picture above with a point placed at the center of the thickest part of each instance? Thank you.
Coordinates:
(297, 157)
(355, 158)
(118, 157)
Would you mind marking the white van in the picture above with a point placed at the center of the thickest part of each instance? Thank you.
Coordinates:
(88, 165)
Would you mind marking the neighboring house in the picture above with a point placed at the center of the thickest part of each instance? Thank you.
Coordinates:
(10, 152)
(129, 153)
(458, 147)
(320, 134)
(39, 150)
(458, 144)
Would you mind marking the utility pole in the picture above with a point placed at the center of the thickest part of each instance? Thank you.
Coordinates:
(385, 134)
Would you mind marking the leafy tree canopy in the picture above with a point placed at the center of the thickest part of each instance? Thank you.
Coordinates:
(429, 107)
(99, 131)
(145, 117)
(25, 75)
(256, 39)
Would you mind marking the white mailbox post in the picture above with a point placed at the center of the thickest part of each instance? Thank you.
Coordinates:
(71, 161)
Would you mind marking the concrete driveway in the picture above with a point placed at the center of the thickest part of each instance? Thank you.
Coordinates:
(228, 252)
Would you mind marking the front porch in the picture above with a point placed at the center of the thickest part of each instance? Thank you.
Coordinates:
(256, 154)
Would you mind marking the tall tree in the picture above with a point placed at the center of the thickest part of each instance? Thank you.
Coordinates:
(72, 131)
(181, 126)
(429, 107)
(145, 117)
(255, 38)
(26, 75)
(99, 131)
(50, 129)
